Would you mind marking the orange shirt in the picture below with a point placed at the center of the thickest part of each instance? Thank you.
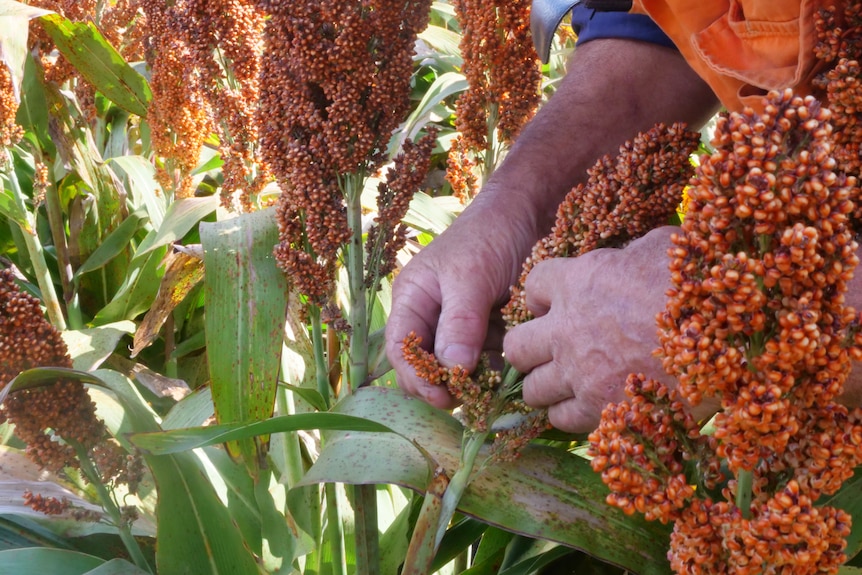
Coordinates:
(743, 48)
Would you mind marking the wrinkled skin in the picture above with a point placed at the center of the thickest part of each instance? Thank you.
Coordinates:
(450, 292)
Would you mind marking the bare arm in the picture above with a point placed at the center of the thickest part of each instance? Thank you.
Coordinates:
(614, 88)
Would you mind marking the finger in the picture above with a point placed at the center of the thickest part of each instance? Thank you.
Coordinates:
(540, 285)
(463, 325)
(545, 386)
(415, 308)
(573, 416)
(528, 345)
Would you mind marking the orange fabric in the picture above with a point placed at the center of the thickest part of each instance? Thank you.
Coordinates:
(742, 48)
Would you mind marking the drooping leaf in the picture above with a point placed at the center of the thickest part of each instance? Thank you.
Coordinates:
(46, 561)
(14, 22)
(182, 216)
(548, 493)
(114, 243)
(195, 531)
(95, 59)
(179, 440)
(89, 347)
(182, 274)
(33, 109)
(246, 302)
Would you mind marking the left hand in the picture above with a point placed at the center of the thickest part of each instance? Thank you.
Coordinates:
(595, 324)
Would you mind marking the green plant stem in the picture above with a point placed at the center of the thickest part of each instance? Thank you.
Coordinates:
(365, 496)
(290, 444)
(37, 254)
(108, 504)
(358, 359)
(320, 368)
(422, 548)
(67, 277)
(335, 528)
(459, 482)
(744, 480)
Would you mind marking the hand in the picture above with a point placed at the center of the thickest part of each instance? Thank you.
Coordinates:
(449, 294)
(595, 324)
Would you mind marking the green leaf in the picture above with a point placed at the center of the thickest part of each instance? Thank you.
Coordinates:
(117, 567)
(89, 347)
(443, 87)
(432, 215)
(142, 183)
(246, 302)
(179, 440)
(137, 292)
(114, 244)
(14, 22)
(91, 55)
(195, 531)
(12, 209)
(181, 217)
(546, 493)
(46, 561)
(33, 110)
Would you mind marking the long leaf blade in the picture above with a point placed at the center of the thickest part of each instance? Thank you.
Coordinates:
(88, 51)
(246, 302)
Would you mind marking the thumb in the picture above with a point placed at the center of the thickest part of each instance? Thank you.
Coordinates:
(463, 327)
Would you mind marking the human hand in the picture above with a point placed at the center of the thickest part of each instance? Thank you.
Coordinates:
(595, 324)
(449, 294)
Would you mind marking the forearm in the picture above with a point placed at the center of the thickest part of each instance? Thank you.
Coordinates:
(613, 89)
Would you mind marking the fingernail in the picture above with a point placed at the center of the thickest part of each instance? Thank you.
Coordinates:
(457, 354)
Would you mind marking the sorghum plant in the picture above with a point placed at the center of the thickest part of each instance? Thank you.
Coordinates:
(58, 423)
(756, 317)
(504, 80)
(623, 198)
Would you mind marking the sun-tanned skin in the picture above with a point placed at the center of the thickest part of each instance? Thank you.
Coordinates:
(595, 315)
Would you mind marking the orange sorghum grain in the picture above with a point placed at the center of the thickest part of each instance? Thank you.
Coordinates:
(403, 180)
(64, 410)
(624, 198)
(10, 131)
(641, 446)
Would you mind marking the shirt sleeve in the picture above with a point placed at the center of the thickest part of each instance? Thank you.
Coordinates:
(591, 25)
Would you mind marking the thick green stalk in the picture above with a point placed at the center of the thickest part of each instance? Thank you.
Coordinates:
(365, 496)
(36, 253)
(358, 360)
(321, 369)
(459, 482)
(423, 547)
(335, 529)
(111, 508)
(67, 280)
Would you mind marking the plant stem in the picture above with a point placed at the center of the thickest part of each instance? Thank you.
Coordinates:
(423, 548)
(358, 360)
(320, 368)
(111, 508)
(365, 496)
(744, 481)
(67, 276)
(36, 253)
(458, 483)
(335, 528)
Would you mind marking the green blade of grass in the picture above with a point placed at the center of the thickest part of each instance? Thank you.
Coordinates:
(246, 302)
(84, 46)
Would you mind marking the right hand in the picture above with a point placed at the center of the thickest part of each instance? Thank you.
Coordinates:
(450, 292)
